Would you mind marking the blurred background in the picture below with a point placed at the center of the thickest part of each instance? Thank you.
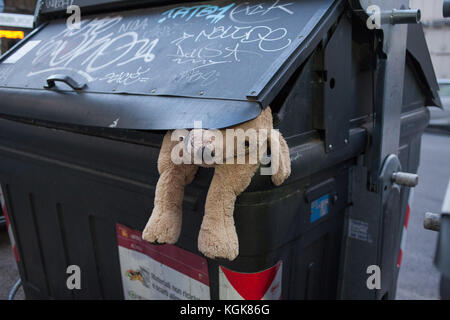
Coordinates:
(16, 21)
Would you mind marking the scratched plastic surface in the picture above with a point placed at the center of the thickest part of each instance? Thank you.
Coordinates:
(215, 49)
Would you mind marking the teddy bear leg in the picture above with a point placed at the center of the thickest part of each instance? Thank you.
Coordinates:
(217, 237)
(164, 225)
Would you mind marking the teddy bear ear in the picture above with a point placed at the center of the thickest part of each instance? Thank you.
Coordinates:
(265, 117)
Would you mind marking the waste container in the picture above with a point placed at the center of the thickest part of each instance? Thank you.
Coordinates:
(83, 113)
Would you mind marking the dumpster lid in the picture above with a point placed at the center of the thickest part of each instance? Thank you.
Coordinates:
(228, 51)
(419, 55)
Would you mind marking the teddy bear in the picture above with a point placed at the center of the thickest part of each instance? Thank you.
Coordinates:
(182, 153)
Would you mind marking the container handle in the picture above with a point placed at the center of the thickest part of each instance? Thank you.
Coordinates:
(51, 80)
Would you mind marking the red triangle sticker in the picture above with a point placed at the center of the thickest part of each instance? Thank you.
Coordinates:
(251, 286)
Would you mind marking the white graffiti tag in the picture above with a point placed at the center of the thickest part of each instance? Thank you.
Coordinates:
(95, 46)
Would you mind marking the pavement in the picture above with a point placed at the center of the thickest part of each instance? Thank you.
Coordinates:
(8, 268)
(418, 277)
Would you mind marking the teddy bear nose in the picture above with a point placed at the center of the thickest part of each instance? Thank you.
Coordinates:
(205, 152)
(201, 152)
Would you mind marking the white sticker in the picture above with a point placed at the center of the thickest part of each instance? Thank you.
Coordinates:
(359, 230)
(27, 47)
(160, 272)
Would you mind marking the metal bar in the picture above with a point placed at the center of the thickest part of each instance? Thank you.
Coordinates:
(405, 16)
(390, 77)
(405, 179)
(432, 221)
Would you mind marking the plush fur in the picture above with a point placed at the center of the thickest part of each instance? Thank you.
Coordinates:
(217, 237)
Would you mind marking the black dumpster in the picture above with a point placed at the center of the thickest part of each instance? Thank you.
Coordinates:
(83, 113)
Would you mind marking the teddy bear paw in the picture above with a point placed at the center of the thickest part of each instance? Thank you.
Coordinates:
(218, 245)
(161, 231)
(281, 175)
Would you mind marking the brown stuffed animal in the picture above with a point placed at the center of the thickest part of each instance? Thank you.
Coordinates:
(217, 237)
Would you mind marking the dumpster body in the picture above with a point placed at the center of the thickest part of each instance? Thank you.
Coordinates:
(83, 114)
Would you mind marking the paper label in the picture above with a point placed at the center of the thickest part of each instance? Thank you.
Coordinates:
(160, 272)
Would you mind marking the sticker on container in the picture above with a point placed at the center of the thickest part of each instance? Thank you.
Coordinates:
(319, 208)
(22, 51)
(359, 230)
(262, 285)
(159, 272)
